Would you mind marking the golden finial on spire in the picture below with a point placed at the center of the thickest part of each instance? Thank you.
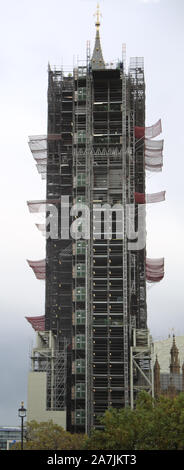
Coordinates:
(98, 14)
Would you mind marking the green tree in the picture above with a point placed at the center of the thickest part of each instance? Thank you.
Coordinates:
(50, 436)
(152, 425)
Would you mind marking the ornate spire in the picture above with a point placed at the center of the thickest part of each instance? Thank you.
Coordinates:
(98, 14)
(157, 365)
(175, 364)
(157, 377)
(97, 61)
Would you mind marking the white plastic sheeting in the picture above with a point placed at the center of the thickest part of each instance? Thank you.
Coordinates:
(41, 206)
(39, 268)
(38, 146)
(155, 197)
(153, 167)
(154, 159)
(154, 145)
(42, 170)
(141, 198)
(38, 323)
(41, 228)
(148, 132)
(153, 153)
(154, 130)
(154, 269)
(153, 149)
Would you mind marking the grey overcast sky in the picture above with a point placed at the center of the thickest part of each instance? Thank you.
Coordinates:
(31, 34)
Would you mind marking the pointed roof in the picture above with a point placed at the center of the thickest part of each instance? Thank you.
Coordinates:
(97, 61)
(156, 365)
(174, 349)
(175, 363)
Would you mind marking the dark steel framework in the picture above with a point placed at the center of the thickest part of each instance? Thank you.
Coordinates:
(96, 288)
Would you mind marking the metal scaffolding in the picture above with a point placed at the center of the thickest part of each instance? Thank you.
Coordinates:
(124, 260)
(96, 307)
(103, 174)
(141, 364)
(46, 357)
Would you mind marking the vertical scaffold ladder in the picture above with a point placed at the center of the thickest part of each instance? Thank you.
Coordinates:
(124, 200)
(74, 178)
(88, 350)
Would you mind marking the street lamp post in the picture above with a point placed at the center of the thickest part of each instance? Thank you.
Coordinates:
(22, 415)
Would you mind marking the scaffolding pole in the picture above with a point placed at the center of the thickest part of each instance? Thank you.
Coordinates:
(141, 365)
(89, 250)
(47, 358)
(124, 201)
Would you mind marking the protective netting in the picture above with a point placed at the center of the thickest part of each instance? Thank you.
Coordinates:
(141, 198)
(39, 268)
(153, 149)
(41, 161)
(36, 206)
(41, 228)
(154, 145)
(148, 132)
(41, 206)
(153, 131)
(42, 169)
(153, 167)
(154, 269)
(153, 153)
(153, 160)
(38, 323)
(38, 146)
